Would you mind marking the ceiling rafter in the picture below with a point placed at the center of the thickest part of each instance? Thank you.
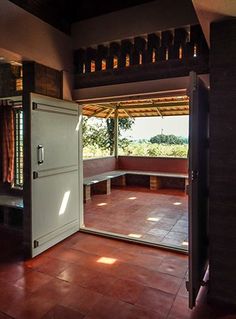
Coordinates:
(139, 108)
(154, 105)
(99, 111)
(109, 114)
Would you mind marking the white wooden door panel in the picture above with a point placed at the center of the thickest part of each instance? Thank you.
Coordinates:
(55, 179)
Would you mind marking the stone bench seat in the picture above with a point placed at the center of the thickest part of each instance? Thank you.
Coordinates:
(118, 177)
(101, 183)
(156, 177)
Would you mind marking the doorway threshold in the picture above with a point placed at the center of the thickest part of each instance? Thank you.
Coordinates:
(139, 241)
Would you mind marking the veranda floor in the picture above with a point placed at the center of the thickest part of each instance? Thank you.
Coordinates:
(160, 217)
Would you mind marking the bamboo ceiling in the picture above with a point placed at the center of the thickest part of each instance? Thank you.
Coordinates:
(169, 106)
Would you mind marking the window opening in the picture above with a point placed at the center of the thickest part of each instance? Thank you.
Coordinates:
(167, 54)
(154, 56)
(93, 66)
(104, 64)
(140, 58)
(180, 52)
(127, 60)
(115, 62)
(18, 176)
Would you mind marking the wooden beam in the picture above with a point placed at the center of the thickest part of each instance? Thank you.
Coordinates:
(116, 133)
(109, 114)
(127, 112)
(158, 112)
(98, 112)
(159, 105)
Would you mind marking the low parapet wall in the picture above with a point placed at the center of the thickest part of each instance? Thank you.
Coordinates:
(155, 164)
(96, 166)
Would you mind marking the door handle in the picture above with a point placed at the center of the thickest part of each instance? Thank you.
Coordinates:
(40, 154)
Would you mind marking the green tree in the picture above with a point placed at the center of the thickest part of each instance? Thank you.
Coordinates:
(168, 139)
(123, 124)
(102, 134)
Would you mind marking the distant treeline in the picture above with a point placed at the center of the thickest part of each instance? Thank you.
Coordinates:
(168, 139)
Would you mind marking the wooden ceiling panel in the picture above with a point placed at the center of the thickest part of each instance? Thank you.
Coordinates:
(169, 106)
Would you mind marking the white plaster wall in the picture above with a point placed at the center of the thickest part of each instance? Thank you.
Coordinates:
(32, 39)
(134, 21)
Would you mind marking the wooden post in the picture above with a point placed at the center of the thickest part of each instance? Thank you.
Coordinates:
(116, 130)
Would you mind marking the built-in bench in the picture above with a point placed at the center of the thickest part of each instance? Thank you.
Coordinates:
(156, 178)
(11, 211)
(101, 184)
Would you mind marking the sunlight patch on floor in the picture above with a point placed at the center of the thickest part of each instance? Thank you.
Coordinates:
(106, 260)
(102, 204)
(153, 219)
(177, 203)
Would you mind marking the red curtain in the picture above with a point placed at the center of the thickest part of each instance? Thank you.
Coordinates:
(8, 142)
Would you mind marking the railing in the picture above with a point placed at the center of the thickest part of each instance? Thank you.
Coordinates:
(186, 44)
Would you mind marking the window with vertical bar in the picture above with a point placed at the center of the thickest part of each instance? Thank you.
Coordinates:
(18, 176)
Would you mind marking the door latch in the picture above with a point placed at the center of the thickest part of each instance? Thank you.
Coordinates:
(187, 285)
(36, 243)
(35, 175)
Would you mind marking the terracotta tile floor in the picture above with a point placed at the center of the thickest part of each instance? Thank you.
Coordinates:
(155, 216)
(91, 277)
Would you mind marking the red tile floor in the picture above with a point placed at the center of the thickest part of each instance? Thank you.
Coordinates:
(156, 216)
(91, 277)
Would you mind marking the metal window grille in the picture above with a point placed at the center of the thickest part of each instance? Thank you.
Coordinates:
(18, 176)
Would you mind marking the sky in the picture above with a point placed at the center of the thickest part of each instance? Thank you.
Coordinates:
(145, 128)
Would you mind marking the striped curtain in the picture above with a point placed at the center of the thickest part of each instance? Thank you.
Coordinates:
(8, 141)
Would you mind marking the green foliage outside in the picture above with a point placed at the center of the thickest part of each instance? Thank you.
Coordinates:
(98, 141)
(168, 139)
(158, 150)
(99, 138)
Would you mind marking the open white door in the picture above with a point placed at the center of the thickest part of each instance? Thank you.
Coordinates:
(198, 185)
(53, 175)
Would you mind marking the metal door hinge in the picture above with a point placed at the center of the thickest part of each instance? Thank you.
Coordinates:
(34, 106)
(36, 243)
(194, 175)
(35, 175)
(204, 283)
(187, 285)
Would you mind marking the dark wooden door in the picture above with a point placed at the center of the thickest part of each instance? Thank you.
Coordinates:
(198, 185)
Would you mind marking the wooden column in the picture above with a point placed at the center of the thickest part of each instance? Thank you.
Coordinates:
(116, 135)
(222, 204)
